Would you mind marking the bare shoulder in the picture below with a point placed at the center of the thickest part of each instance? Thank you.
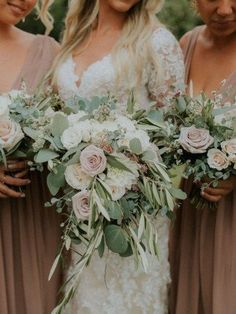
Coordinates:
(185, 39)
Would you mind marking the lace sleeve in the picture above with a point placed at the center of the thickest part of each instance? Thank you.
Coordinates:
(171, 67)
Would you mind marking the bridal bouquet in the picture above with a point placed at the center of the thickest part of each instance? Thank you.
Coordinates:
(107, 177)
(201, 135)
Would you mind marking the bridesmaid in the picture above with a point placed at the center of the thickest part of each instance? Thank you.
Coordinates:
(29, 233)
(203, 246)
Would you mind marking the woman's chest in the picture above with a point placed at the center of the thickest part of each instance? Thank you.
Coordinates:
(209, 69)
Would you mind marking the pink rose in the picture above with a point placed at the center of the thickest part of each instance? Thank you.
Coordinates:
(10, 133)
(195, 141)
(93, 160)
(80, 204)
(217, 159)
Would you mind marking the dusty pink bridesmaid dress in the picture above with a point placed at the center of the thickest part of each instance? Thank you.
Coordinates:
(203, 246)
(29, 233)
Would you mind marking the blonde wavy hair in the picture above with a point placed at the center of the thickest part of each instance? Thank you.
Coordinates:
(82, 18)
(42, 8)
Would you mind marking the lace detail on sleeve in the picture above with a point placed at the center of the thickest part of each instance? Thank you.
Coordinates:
(171, 66)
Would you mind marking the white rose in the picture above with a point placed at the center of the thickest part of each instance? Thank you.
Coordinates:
(117, 191)
(4, 106)
(217, 159)
(195, 141)
(76, 178)
(80, 204)
(93, 160)
(125, 123)
(139, 134)
(121, 178)
(229, 147)
(71, 137)
(10, 133)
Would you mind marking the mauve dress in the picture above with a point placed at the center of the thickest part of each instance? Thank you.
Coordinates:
(29, 233)
(203, 247)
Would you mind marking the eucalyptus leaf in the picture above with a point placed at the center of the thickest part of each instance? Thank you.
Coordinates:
(45, 155)
(116, 239)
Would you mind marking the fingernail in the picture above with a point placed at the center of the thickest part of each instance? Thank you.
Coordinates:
(28, 181)
(22, 195)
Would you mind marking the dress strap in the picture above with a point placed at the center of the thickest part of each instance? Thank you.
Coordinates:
(189, 50)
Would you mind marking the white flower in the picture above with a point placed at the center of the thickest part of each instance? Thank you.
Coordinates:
(121, 178)
(4, 106)
(76, 178)
(74, 118)
(117, 191)
(217, 159)
(139, 134)
(125, 123)
(93, 160)
(194, 140)
(80, 204)
(229, 147)
(49, 113)
(71, 137)
(10, 133)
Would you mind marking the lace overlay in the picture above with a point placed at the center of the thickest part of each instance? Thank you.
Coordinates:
(113, 285)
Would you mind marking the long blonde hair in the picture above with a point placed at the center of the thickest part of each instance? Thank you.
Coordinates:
(42, 9)
(133, 49)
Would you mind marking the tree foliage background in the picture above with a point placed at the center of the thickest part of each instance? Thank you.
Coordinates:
(177, 15)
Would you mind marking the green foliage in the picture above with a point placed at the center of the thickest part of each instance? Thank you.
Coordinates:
(179, 17)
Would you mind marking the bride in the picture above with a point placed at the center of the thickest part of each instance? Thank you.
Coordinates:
(116, 46)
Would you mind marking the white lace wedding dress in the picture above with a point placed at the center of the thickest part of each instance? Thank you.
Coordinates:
(113, 285)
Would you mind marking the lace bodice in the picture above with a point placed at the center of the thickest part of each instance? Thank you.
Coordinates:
(113, 285)
(99, 78)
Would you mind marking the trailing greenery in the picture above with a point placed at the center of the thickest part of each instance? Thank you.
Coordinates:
(179, 17)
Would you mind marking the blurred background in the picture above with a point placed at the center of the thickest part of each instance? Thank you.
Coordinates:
(177, 15)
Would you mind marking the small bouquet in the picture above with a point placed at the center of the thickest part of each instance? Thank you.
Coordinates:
(11, 134)
(107, 177)
(19, 114)
(200, 135)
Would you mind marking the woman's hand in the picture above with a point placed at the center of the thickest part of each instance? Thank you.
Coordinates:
(224, 188)
(13, 175)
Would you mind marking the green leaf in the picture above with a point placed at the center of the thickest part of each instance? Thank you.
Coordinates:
(169, 200)
(149, 155)
(178, 193)
(101, 247)
(181, 104)
(116, 163)
(135, 146)
(31, 133)
(114, 210)
(116, 239)
(131, 103)
(45, 155)
(59, 124)
(128, 252)
(56, 180)
(54, 266)
(141, 226)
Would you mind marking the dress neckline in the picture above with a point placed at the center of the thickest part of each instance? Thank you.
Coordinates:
(79, 78)
(27, 56)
